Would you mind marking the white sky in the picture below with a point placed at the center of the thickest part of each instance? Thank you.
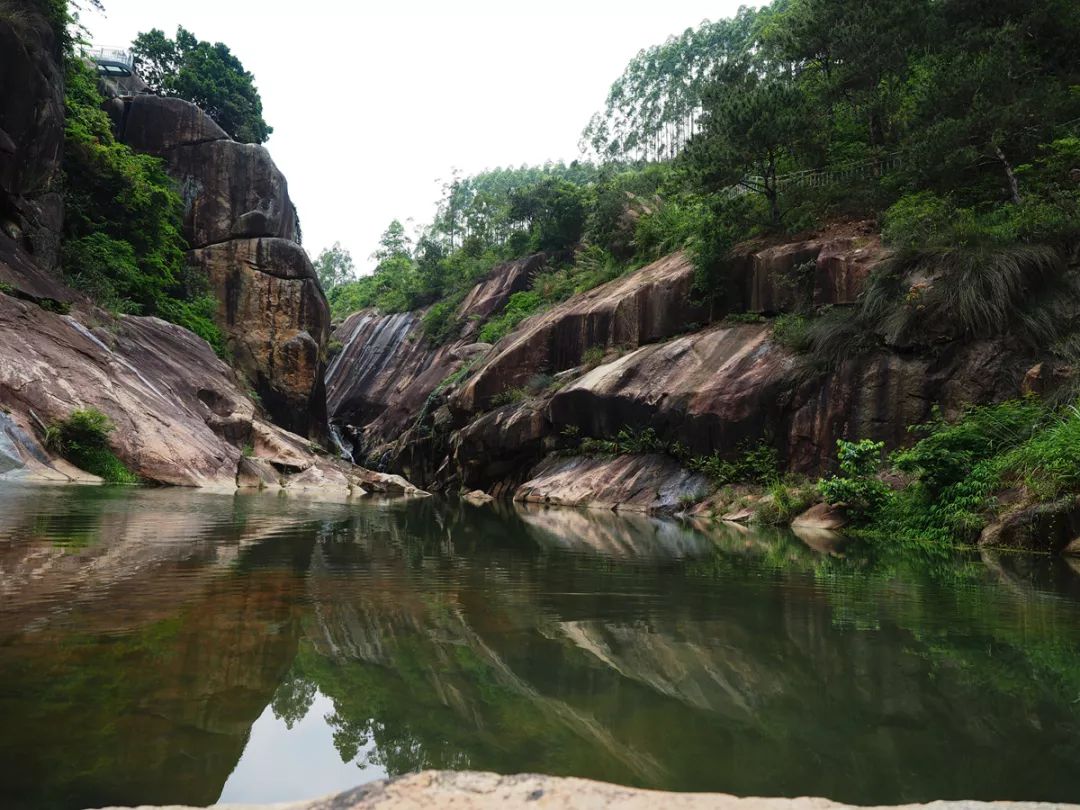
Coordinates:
(373, 102)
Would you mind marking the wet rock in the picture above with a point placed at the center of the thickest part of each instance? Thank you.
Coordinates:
(821, 516)
(648, 484)
(500, 448)
(478, 497)
(383, 380)
(711, 391)
(1049, 527)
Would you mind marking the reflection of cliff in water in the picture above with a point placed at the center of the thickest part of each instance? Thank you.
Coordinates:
(142, 635)
(134, 659)
(564, 667)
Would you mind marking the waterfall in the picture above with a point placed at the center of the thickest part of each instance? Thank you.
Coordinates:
(343, 446)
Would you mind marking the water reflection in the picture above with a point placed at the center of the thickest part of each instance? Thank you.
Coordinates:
(168, 647)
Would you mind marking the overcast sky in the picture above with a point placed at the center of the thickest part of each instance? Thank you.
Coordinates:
(372, 103)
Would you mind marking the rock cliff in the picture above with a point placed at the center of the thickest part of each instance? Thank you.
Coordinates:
(242, 229)
(182, 416)
(640, 353)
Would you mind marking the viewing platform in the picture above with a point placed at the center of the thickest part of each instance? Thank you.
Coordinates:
(112, 62)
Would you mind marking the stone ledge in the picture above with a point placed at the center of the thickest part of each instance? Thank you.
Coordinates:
(479, 791)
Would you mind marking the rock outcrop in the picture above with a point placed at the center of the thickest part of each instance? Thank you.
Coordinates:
(465, 790)
(651, 304)
(623, 483)
(180, 416)
(388, 376)
(242, 229)
(640, 354)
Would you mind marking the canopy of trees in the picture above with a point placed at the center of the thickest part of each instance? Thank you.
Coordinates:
(962, 116)
(207, 75)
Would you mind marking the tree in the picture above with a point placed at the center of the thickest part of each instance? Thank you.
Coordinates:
(204, 74)
(334, 266)
(754, 126)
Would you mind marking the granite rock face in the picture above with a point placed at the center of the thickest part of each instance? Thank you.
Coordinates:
(181, 418)
(651, 304)
(272, 307)
(638, 353)
(388, 375)
(242, 228)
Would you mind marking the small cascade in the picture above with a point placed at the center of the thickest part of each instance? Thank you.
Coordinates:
(341, 444)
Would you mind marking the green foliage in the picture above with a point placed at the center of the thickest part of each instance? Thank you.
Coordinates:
(204, 74)
(755, 464)
(792, 331)
(83, 439)
(858, 487)
(785, 501)
(520, 306)
(958, 117)
(956, 470)
(122, 226)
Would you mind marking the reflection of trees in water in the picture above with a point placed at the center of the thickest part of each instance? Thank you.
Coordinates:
(818, 675)
(452, 637)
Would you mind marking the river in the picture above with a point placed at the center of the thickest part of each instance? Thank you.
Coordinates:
(167, 646)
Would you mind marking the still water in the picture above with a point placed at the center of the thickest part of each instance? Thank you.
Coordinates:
(163, 647)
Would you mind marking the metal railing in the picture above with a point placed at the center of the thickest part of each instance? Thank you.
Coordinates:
(113, 57)
(817, 178)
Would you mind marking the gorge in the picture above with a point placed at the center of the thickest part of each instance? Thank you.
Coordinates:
(739, 456)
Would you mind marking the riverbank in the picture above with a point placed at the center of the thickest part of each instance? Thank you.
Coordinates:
(468, 790)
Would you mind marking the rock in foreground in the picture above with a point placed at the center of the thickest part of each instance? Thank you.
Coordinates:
(480, 791)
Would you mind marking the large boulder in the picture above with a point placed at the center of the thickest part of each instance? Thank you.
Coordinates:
(231, 191)
(157, 125)
(711, 390)
(242, 226)
(276, 321)
(650, 483)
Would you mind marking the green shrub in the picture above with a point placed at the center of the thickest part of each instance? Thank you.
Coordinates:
(520, 306)
(858, 488)
(1048, 464)
(122, 243)
(919, 220)
(593, 356)
(948, 451)
(793, 332)
(755, 464)
(510, 396)
(785, 501)
(83, 439)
